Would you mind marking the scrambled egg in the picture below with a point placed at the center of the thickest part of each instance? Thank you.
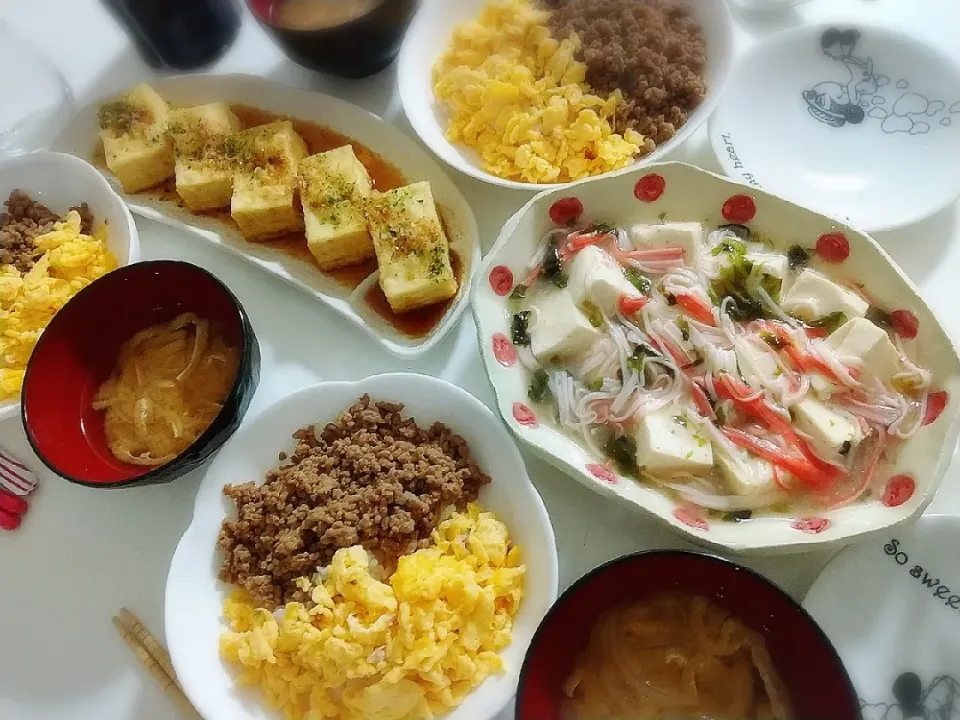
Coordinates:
(517, 96)
(69, 262)
(399, 651)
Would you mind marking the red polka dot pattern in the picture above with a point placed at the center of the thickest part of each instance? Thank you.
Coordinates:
(899, 489)
(602, 472)
(524, 415)
(649, 188)
(811, 525)
(936, 404)
(905, 324)
(739, 209)
(501, 280)
(566, 211)
(504, 351)
(691, 518)
(833, 247)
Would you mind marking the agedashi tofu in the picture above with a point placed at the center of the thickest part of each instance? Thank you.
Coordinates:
(136, 144)
(333, 186)
(412, 250)
(203, 168)
(264, 202)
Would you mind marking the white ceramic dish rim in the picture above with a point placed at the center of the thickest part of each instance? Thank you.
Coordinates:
(79, 138)
(11, 408)
(769, 44)
(408, 69)
(799, 541)
(815, 591)
(516, 485)
(820, 603)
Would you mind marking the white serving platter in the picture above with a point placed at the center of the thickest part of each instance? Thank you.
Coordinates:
(80, 138)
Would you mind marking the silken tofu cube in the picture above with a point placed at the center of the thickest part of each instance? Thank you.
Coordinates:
(812, 297)
(595, 276)
(203, 167)
(559, 329)
(862, 341)
(333, 187)
(745, 475)
(667, 443)
(413, 252)
(688, 236)
(831, 432)
(264, 202)
(136, 145)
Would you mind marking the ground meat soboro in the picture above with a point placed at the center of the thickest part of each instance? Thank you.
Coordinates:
(23, 220)
(653, 51)
(372, 478)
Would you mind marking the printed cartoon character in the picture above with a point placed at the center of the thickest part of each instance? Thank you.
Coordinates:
(834, 103)
(939, 701)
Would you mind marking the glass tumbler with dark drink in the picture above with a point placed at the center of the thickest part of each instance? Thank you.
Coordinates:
(178, 34)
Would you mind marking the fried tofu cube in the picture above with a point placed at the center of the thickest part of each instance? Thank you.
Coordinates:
(203, 168)
(264, 202)
(333, 186)
(412, 249)
(136, 145)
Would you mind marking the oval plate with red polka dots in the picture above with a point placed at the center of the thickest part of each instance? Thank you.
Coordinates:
(676, 192)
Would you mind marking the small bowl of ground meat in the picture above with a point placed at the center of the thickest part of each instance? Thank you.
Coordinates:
(531, 94)
(92, 233)
(334, 503)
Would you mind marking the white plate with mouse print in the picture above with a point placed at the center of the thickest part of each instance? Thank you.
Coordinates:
(898, 627)
(858, 122)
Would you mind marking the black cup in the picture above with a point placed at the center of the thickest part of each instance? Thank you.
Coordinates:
(355, 49)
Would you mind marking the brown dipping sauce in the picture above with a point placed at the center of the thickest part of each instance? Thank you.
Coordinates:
(319, 14)
(318, 139)
(413, 323)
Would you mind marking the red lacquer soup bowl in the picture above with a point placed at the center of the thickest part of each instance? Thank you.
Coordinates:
(79, 348)
(814, 678)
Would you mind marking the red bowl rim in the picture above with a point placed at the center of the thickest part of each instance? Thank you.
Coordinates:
(146, 477)
(587, 578)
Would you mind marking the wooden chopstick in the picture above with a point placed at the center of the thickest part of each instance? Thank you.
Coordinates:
(154, 657)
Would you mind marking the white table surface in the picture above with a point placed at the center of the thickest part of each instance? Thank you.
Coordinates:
(82, 554)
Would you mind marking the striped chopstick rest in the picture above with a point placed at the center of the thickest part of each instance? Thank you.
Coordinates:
(15, 477)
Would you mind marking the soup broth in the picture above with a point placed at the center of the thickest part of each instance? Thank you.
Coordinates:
(319, 14)
(674, 655)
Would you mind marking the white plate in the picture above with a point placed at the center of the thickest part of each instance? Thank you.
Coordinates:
(194, 596)
(60, 181)
(764, 5)
(864, 128)
(430, 35)
(80, 138)
(695, 194)
(891, 607)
